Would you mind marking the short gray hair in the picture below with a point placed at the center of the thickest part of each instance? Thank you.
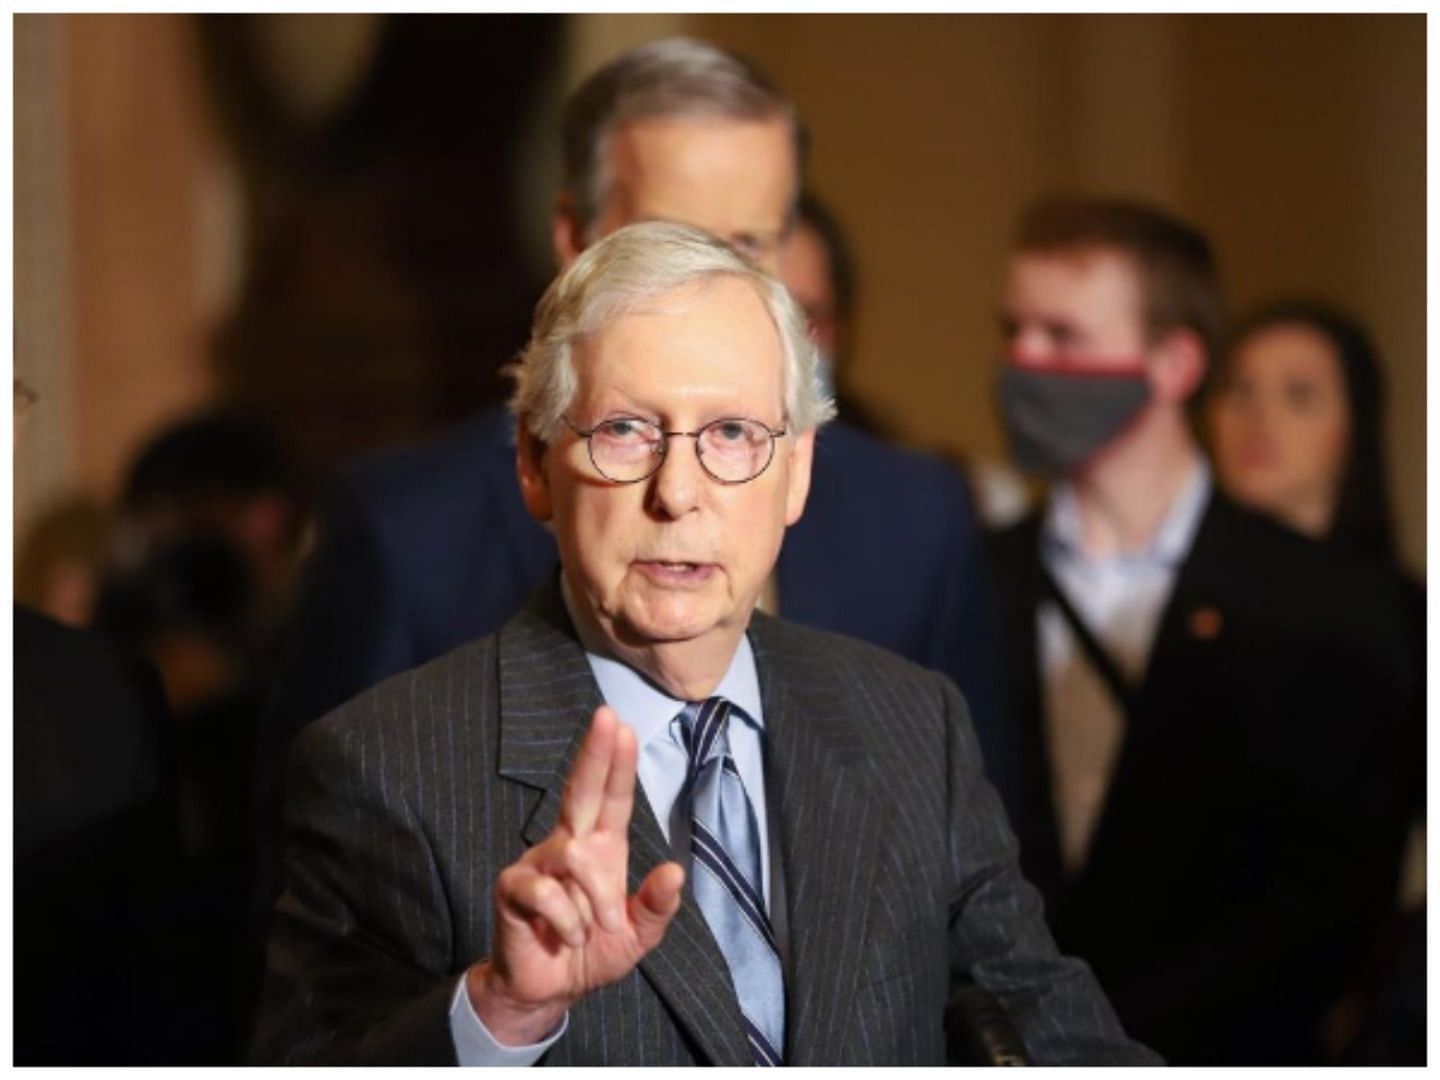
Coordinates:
(618, 275)
(673, 77)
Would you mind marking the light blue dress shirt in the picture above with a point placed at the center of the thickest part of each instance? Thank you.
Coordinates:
(654, 716)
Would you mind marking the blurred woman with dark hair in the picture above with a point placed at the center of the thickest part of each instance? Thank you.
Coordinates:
(1296, 429)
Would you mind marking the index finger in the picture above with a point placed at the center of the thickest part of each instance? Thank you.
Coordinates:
(585, 787)
(619, 798)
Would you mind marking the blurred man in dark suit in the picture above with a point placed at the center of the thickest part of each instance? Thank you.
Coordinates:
(816, 856)
(1208, 706)
(427, 547)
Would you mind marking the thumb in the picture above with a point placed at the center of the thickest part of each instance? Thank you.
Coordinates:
(655, 903)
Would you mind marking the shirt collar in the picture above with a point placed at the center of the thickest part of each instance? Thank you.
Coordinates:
(647, 708)
(1170, 542)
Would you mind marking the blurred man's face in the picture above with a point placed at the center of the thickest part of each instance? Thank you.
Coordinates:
(1078, 309)
(734, 179)
(805, 270)
(677, 557)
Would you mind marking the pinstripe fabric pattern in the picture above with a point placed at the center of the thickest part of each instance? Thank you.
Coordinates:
(406, 803)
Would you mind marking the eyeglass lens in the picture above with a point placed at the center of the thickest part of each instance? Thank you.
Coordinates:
(731, 450)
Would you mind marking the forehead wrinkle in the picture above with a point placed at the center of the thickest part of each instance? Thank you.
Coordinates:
(713, 383)
(724, 398)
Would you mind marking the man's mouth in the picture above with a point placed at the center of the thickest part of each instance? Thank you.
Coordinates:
(674, 571)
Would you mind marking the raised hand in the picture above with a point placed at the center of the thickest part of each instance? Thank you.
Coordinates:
(564, 924)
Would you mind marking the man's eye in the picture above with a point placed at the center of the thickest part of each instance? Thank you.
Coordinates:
(730, 431)
(624, 430)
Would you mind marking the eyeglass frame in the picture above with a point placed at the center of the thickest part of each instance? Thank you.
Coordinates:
(664, 444)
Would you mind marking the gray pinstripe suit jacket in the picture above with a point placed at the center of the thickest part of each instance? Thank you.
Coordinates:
(406, 803)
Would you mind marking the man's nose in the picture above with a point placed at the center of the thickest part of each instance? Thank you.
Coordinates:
(676, 486)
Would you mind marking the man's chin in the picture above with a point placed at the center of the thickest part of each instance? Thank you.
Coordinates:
(668, 626)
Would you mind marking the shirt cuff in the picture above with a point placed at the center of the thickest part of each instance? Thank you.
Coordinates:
(474, 1045)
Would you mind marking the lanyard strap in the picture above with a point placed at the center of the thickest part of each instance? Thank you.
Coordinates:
(1104, 664)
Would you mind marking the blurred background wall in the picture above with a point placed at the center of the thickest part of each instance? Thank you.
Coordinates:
(339, 221)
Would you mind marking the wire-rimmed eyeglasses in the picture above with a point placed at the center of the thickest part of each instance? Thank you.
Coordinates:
(626, 449)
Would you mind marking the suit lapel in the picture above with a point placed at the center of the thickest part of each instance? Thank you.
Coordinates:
(547, 696)
(816, 777)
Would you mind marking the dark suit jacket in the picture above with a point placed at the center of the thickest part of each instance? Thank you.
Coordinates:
(1252, 829)
(900, 869)
(427, 547)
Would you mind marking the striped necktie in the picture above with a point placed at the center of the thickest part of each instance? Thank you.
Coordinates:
(725, 850)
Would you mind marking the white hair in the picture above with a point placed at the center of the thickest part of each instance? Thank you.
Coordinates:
(630, 267)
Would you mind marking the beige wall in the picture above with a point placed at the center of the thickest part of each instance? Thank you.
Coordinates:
(1297, 141)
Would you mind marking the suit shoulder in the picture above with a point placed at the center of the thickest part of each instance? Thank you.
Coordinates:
(459, 460)
(1274, 557)
(864, 456)
(1320, 597)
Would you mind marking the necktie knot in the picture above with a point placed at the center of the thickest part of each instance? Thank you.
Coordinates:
(704, 728)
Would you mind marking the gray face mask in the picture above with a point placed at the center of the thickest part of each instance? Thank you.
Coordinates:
(1058, 420)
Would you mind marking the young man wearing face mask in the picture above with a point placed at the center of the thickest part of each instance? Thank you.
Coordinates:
(1207, 705)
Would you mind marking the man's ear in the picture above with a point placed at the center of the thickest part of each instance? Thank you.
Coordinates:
(1178, 366)
(567, 235)
(530, 469)
(802, 456)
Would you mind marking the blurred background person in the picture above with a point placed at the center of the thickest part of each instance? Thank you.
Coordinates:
(1295, 421)
(1211, 708)
(103, 903)
(228, 475)
(818, 266)
(1295, 424)
(209, 533)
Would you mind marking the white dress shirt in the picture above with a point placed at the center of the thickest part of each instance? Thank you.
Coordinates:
(1120, 598)
(654, 716)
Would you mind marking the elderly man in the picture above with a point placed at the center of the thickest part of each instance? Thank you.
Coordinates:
(816, 853)
(426, 547)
